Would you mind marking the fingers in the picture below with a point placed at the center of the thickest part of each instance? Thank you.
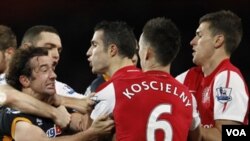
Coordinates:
(63, 117)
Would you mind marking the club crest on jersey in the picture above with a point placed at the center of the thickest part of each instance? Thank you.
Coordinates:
(206, 96)
(223, 94)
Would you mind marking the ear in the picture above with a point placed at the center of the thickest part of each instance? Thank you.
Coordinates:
(25, 45)
(10, 51)
(113, 50)
(149, 52)
(219, 40)
(24, 80)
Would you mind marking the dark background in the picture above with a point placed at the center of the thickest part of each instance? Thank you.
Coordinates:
(75, 19)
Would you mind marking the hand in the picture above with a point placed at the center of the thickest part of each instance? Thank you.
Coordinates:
(102, 125)
(62, 117)
(79, 122)
(55, 100)
(83, 105)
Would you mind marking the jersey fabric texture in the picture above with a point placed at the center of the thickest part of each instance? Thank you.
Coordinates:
(221, 95)
(100, 79)
(145, 106)
(9, 117)
(2, 79)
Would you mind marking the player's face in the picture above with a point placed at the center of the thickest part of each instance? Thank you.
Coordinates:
(97, 55)
(2, 62)
(43, 75)
(51, 41)
(202, 45)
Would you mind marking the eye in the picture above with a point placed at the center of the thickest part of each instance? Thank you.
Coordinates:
(198, 34)
(59, 50)
(94, 44)
(44, 69)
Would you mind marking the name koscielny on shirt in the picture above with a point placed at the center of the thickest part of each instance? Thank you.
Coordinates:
(136, 88)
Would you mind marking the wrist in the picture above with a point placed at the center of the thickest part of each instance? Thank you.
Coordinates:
(3, 98)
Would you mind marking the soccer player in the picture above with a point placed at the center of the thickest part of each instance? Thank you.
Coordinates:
(219, 87)
(159, 106)
(32, 72)
(44, 36)
(101, 78)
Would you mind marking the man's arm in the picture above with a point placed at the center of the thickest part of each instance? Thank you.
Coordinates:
(195, 135)
(101, 126)
(215, 133)
(79, 122)
(27, 104)
(82, 105)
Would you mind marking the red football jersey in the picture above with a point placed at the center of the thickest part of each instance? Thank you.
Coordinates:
(149, 106)
(221, 95)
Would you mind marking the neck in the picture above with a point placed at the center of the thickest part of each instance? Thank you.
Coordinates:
(209, 67)
(158, 68)
(38, 96)
(118, 64)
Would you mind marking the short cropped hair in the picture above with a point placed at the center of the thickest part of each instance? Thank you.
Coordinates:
(7, 38)
(32, 35)
(120, 34)
(164, 37)
(226, 23)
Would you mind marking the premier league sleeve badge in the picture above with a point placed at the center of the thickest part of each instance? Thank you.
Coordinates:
(223, 94)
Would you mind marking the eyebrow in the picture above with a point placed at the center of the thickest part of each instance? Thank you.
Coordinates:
(197, 32)
(53, 45)
(92, 42)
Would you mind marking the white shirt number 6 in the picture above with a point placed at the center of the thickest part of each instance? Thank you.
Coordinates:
(164, 125)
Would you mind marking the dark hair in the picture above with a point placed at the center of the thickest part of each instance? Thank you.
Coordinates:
(20, 64)
(32, 34)
(226, 23)
(120, 34)
(164, 37)
(7, 38)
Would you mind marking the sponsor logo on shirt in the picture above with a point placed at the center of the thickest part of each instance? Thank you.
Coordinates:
(54, 131)
(223, 94)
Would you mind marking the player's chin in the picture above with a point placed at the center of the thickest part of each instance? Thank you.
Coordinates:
(51, 91)
(94, 70)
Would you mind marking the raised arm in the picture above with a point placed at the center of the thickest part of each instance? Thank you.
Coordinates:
(27, 104)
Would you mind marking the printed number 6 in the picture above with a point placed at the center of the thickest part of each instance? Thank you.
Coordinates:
(163, 125)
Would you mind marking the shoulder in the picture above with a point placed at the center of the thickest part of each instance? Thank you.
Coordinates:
(10, 117)
(190, 73)
(65, 90)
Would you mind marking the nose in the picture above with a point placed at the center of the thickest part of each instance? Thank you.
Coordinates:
(193, 41)
(54, 54)
(89, 51)
(53, 75)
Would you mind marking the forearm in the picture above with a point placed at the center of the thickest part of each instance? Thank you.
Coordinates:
(211, 134)
(79, 122)
(88, 135)
(82, 105)
(69, 102)
(195, 135)
(25, 103)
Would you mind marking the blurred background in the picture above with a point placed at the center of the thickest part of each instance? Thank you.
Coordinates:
(75, 20)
